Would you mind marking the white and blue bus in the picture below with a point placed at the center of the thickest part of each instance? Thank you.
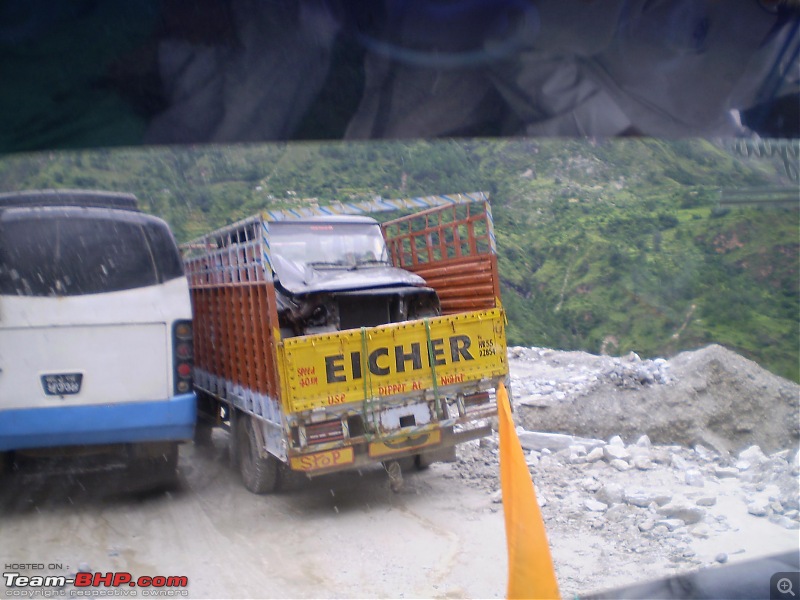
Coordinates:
(95, 329)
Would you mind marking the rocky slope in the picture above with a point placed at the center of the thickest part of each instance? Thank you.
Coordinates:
(710, 396)
(647, 468)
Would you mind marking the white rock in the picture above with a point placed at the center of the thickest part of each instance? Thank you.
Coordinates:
(753, 455)
(537, 440)
(671, 524)
(681, 510)
(612, 452)
(758, 507)
(704, 453)
(617, 513)
(644, 499)
(594, 455)
(488, 443)
(643, 442)
(647, 525)
(679, 462)
(590, 484)
(619, 464)
(726, 472)
(616, 441)
(611, 493)
(701, 530)
(642, 463)
(577, 450)
(633, 357)
(706, 501)
(694, 478)
(594, 505)
(787, 523)
(660, 530)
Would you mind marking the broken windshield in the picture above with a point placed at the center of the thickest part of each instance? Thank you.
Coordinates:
(329, 245)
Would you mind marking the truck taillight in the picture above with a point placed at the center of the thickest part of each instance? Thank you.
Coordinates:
(182, 355)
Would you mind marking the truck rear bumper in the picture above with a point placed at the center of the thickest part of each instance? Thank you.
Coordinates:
(361, 454)
(172, 419)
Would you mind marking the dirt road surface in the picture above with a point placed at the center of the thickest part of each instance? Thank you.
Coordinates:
(342, 536)
(617, 511)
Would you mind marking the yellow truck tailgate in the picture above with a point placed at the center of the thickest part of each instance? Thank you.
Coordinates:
(401, 359)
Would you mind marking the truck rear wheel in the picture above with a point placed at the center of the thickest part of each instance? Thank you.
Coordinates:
(261, 475)
(207, 413)
(202, 433)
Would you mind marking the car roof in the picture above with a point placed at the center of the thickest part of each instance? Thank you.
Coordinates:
(68, 197)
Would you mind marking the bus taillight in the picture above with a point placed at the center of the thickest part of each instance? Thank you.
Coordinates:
(182, 356)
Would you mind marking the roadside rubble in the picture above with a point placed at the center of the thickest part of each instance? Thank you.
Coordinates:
(653, 508)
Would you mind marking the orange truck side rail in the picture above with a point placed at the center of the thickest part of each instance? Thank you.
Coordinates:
(453, 249)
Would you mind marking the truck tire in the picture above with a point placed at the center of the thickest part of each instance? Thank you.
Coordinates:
(202, 434)
(207, 407)
(260, 475)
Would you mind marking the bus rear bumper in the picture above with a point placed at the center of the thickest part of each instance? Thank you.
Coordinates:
(172, 419)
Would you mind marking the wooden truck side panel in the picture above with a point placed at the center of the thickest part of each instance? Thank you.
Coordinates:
(236, 331)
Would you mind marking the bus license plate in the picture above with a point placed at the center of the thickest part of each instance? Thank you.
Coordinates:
(62, 384)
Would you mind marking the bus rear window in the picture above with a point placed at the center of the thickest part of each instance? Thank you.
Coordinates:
(63, 253)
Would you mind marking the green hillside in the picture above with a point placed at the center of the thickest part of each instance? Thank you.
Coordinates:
(610, 246)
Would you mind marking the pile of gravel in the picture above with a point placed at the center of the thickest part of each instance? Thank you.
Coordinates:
(710, 396)
(641, 505)
(637, 462)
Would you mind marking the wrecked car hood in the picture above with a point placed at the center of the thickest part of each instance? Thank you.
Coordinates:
(308, 279)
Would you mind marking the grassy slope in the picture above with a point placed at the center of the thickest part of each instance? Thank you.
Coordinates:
(614, 245)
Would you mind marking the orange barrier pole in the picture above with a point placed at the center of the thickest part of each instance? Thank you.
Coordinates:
(530, 567)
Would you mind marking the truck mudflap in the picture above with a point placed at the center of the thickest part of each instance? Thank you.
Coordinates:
(375, 394)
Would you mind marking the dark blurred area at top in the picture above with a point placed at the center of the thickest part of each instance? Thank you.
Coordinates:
(87, 73)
